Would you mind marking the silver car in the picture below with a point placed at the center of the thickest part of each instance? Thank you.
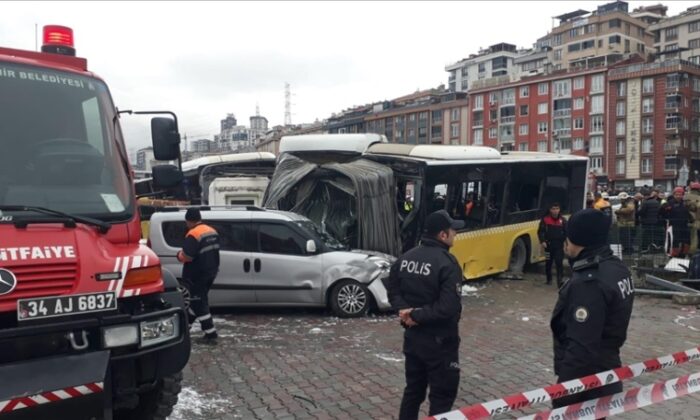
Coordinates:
(277, 258)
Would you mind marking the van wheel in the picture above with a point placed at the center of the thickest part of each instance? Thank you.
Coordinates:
(518, 256)
(184, 288)
(349, 299)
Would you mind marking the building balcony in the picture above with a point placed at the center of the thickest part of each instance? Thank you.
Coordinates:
(507, 139)
(672, 147)
(672, 105)
(508, 119)
(562, 132)
(478, 123)
(596, 151)
(562, 113)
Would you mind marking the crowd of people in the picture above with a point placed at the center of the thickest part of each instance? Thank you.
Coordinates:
(649, 222)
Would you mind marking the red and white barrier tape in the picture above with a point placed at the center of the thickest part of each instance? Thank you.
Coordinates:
(624, 401)
(574, 386)
(51, 396)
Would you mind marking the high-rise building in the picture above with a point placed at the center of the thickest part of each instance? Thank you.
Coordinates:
(678, 36)
(495, 61)
(599, 38)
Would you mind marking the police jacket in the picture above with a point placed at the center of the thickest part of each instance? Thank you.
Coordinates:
(428, 279)
(202, 245)
(590, 320)
(552, 230)
(649, 211)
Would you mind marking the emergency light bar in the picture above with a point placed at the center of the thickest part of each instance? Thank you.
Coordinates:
(58, 40)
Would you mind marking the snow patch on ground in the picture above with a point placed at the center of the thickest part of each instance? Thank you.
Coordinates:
(191, 403)
(389, 358)
(679, 321)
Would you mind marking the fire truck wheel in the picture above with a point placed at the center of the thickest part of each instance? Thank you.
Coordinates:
(156, 404)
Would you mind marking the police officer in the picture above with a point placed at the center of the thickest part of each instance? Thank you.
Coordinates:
(424, 285)
(590, 320)
(200, 255)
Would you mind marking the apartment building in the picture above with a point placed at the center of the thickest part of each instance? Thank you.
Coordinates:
(495, 61)
(602, 37)
(428, 117)
(678, 36)
(654, 114)
(561, 112)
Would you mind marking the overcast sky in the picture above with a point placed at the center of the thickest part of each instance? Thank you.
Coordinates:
(203, 60)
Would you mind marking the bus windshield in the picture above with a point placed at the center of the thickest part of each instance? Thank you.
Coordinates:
(59, 146)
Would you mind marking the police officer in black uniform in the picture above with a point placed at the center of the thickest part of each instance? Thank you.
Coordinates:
(590, 320)
(425, 286)
(200, 255)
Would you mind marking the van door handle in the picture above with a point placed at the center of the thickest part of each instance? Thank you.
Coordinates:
(256, 265)
(246, 265)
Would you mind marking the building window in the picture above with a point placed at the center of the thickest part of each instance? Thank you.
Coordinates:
(670, 163)
(578, 143)
(695, 59)
(524, 110)
(562, 88)
(455, 114)
(542, 146)
(493, 132)
(620, 128)
(557, 55)
(478, 102)
(412, 117)
(578, 103)
(694, 43)
(574, 47)
(578, 83)
(542, 127)
(597, 81)
(671, 34)
(597, 163)
(647, 125)
(523, 129)
(522, 147)
(493, 114)
(648, 105)
(411, 132)
(614, 39)
(478, 136)
(694, 26)
(596, 144)
(620, 166)
(556, 39)
(542, 88)
(621, 88)
(437, 116)
(620, 147)
(542, 108)
(423, 116)
(646, 165)
(578, 124)
(614, 23)
(621, 109)
(648, 86)
(597, 104)
(647, 146)
(597, 124)
(454, 130)
(524, 91)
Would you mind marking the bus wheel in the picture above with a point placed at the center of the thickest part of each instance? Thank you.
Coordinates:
(518, 256)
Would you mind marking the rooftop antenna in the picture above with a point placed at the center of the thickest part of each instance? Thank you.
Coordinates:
(287, 105)
(257, 110)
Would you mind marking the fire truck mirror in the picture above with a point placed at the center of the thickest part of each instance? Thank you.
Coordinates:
(166, 176)
(166, 139)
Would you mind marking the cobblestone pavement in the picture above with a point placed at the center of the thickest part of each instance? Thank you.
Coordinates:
(306, 364)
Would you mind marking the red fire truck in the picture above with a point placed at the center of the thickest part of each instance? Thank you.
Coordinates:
(89, 323)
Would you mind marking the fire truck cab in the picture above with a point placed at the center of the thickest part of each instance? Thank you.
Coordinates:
(88, 319)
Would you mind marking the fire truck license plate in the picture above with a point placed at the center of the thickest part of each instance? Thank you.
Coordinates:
(49, 307)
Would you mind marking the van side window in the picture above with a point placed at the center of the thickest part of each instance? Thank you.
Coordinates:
(280, 239)
(174, 233)
(232, 235)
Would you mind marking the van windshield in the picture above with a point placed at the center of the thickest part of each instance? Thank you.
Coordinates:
(327, 239)
(59, 145)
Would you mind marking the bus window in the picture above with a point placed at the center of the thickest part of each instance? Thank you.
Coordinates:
(523, 194)
(556, 190)
(437, 198)
(496, 193)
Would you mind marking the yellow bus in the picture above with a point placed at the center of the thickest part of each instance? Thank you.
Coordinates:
(500, 196)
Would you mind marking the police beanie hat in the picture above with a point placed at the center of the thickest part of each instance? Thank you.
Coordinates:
(588, 227)
(193, 215)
